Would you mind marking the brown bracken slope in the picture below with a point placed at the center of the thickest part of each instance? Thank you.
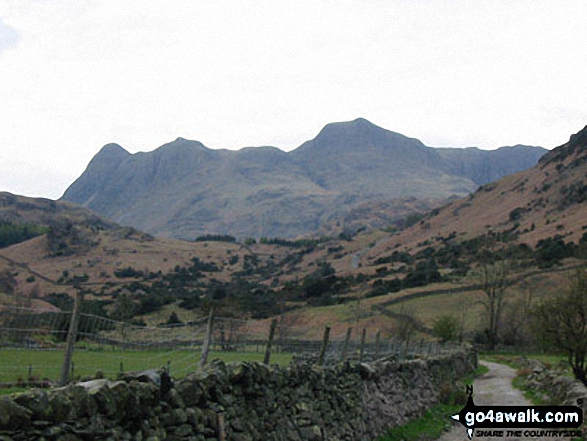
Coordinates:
(547, 200)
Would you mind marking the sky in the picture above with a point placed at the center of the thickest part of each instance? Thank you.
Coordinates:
(75, 76)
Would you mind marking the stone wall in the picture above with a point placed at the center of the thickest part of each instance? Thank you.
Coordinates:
(555, 387)
(243, 401)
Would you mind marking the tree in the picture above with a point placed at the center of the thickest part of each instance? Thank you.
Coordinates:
(447, 327)
(561, 323)
(124, 308)
(406, 325)
(7, 282)
(286, 324)
(173, 319)
(494, 282)
(516, 330)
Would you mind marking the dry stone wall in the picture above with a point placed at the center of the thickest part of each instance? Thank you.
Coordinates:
(555, 387)
(243, 401)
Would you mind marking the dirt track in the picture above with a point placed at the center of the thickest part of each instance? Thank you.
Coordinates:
(495, 387)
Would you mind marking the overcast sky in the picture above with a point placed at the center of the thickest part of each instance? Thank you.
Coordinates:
(75, 75)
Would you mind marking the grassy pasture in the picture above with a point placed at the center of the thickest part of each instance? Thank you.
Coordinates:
(512, 359)
(14, 363)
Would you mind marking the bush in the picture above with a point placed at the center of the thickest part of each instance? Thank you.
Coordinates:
(412, 219)
(561, 323)
(216, 238)
(12, 233)
(447, 328)
(516, 213)
(425, 272)
(552, 250)
(173, 319)
(122, 273)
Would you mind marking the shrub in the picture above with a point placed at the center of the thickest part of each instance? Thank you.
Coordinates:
(216, 238)
(447, 328)
(173, 319)
(127, 272)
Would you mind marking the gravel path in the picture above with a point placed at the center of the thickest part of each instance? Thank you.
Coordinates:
(495, 387)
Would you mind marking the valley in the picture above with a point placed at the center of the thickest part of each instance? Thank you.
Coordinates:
(474, 270)
(425, 264)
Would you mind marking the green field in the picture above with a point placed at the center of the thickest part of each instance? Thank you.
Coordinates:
(512, 359)
(20, 364)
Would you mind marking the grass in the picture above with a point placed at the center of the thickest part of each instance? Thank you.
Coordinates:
(22, 364)
(512, 359)
(435, 421)
(428, 308)
(430, 426)
(11, 390)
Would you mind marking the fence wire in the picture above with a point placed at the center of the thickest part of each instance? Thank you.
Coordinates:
(32, 343)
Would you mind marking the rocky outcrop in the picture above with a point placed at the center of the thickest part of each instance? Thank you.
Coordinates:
(243, 401)
(184, 189)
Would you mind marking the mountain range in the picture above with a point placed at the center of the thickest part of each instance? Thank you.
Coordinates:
(184, 189)
(532, 216)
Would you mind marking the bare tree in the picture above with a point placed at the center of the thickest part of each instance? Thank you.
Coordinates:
(286, 324)
(562, 324)
(516, 321)
(494, 283)
(406, 325)
(7, 282)
(230, 332)
(359, 308)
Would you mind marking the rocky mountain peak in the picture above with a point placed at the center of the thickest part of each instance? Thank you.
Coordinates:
(113, 150)
(184, 189)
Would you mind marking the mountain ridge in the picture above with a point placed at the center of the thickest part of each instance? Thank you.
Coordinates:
(184, 189)
(545, 202)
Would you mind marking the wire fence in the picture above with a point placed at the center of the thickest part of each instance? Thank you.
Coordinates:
(34, 345)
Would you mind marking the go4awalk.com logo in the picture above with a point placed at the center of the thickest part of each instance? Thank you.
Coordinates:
(546, 421)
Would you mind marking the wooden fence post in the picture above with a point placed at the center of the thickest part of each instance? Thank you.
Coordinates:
(267, 357)
(347, 339)
(324, 346)
(362, 348)
(71, 338)
(208, 339)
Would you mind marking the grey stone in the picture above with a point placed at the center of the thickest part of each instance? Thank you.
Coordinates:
(183, 431)
(13, 416)
(37, 401)
(174, 399)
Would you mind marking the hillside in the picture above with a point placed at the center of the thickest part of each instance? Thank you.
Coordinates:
(184, 189)
(546, 201)
(72, 247)
(40, 211)
(428, 264)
